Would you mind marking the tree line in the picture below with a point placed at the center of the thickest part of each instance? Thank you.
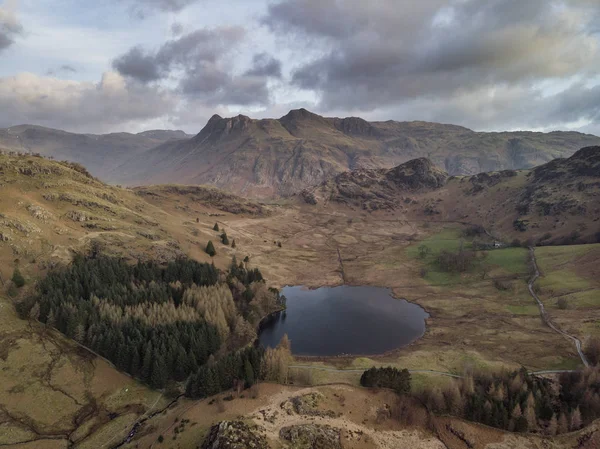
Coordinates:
(396, 379)
(522, 402)
(159, 323)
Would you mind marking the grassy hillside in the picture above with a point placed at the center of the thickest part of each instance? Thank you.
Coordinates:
(53, 391)
(555, 203)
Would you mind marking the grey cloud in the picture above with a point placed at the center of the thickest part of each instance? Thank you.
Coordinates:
(142, 8)
(185, 52)
(379, 54)
(199, 61)
(10, 27)
(138, 65)
(176, 29)
(65, 68)
(505, 107)
(112, 103)
(264, 64)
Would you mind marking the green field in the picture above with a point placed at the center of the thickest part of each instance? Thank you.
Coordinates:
(499, 262)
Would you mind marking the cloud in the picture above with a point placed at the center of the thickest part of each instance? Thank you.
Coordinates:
(177, 29)
(142, 8)
(112, 103)
(377, 55)
(138, 65)
(200, 62)
(188, 53)
(500, 108)
(10, 27)
(264, 64)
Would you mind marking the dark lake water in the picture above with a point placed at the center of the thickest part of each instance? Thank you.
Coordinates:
(345, 320)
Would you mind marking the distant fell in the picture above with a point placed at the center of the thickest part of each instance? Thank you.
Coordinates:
(281, 157)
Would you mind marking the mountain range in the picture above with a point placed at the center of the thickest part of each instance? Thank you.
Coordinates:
(280, 157)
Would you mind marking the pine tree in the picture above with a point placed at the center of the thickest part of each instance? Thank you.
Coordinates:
(210, 249)
(216, 227)
(147, 363)
(233, 243)
(224, 238)
(530, 417)
(159, 374)
(249, 376)
(18, 278)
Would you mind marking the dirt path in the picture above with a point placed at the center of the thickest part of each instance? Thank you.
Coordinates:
(545, 316)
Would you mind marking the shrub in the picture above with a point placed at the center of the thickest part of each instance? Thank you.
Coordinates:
(161, 438)
(474, 231)
(502, 285)
(592, 350)
(18, 278)
(516, 243)
(233, 243)
(424, 251)
(210, 249)
(563, 304)
(458, 262)
(12, 290)
(521, 225)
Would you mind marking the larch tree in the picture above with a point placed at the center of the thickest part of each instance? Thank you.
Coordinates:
(576, 419)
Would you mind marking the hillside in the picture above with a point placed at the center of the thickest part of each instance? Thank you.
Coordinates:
(272, 157)
(280, 157)
(558, 202)
(50, 210)
(98, 153)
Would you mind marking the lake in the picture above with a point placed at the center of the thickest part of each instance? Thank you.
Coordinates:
(345, 320)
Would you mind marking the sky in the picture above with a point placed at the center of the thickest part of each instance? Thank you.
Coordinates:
(132, 65)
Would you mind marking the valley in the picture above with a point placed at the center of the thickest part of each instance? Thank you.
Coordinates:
(270, 158)
(395, 230)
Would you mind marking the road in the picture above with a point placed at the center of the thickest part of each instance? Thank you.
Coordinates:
(544, 314)
(417, 371)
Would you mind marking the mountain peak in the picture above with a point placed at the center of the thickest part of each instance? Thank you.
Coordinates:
(300, 114)
(218, 127)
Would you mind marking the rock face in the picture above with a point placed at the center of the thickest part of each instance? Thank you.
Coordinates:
(307, 405)
(417, 174)
(311, 436)
(234, 435)
(280, 157)
(381, 189)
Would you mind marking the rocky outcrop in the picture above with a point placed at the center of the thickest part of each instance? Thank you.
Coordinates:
(307, 405)
(234, 435)
(382, 189)
(417, 174)
(311, 436)
(281, 157)
(584, 163)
